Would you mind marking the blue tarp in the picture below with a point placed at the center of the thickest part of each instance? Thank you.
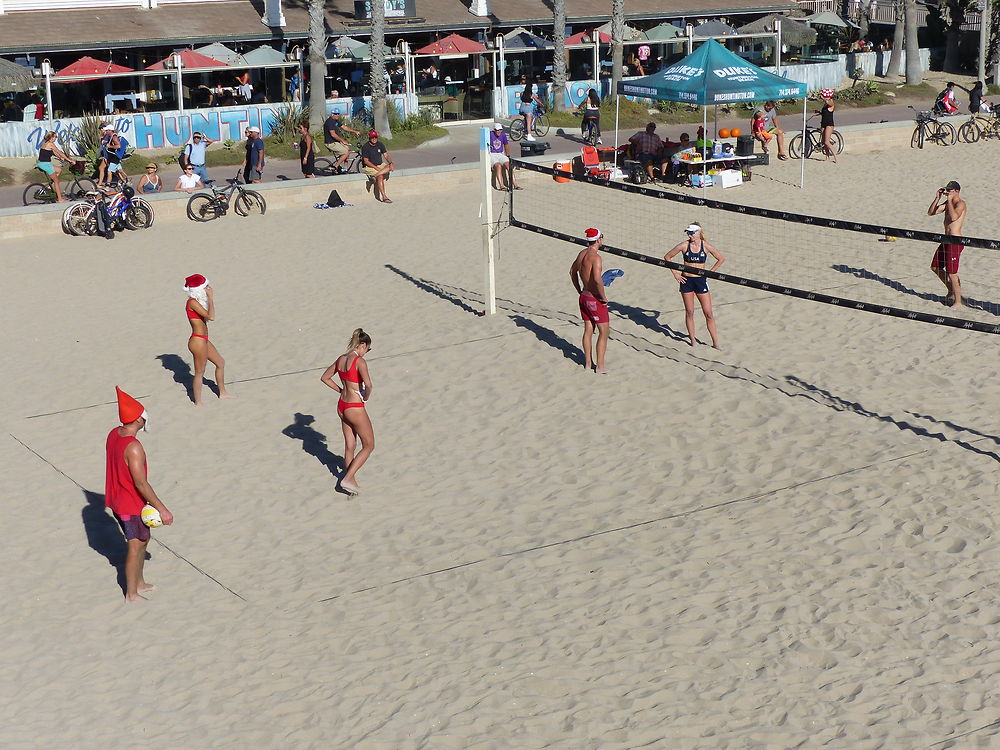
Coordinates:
(713, 75)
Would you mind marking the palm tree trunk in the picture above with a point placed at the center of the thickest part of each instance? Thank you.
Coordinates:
(617, 35)
(559, 54)
(380, 108)
(317, 66)
(953, 34)
(895, 68)
(914, 75)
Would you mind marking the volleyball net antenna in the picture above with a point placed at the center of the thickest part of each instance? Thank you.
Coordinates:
(877, 269)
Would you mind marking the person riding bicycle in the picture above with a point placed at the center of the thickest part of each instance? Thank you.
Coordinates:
(529, 102)
(46, 151)
(946, 103)
(591, 114)
(336, 142)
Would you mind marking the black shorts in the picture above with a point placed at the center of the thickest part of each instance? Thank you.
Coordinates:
(696, 284)
(646, 159)
(134, 528)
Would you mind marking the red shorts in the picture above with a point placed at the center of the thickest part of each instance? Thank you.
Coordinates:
(947, 257)
(592, 309)
(133, 528)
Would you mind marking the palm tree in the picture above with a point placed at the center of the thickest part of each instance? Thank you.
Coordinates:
(617, 36)
(559, 54)
(317, 66)
(376, 75)
(896, 56)
(914, 74)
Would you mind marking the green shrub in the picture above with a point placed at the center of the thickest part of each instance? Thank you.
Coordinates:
(285, 126)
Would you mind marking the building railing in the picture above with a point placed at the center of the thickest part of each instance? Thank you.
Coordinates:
(880, 11)
(13, 6)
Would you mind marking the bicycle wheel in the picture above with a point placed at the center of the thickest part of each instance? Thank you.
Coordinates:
(202, 207)
(355, 164)
(917, 139)
(37, 194)
(79, 219)
(80, 187)
(837, 141)
(968, 132)
(517, 129)
(323, 167)
(249, 202)
(945, 134)
(139, 215)
(540, 125)
(795, 147)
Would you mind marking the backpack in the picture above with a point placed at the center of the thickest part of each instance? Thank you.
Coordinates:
(184, 157)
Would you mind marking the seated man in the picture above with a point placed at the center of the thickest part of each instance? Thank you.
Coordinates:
(377, 164)
(764, 126)
(646, 148)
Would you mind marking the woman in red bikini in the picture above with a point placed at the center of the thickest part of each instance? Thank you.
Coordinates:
(200, 309)
(355, 388)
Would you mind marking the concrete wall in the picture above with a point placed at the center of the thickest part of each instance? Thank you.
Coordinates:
(832, 74)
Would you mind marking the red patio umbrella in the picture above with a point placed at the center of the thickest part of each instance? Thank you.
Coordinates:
(451, 45)
(190, 59)
(578, 38)
(87, 65)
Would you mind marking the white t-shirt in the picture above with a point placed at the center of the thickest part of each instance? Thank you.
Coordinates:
(187, 181)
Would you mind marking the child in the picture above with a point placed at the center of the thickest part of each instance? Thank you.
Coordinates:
(758, 129)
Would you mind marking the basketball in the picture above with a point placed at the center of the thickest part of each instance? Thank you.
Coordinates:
(151, 517)
(735, 132)
(724, 133)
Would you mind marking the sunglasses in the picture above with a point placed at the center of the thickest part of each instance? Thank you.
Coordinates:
(691, 231)
(188, 169)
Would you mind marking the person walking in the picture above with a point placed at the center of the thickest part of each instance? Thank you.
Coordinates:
(253, 163)
(586, 275)
(826, 123)
(307, 151)
(696, 250)
(200, 308)
(127, 491)
(355, 390)
(948, 200)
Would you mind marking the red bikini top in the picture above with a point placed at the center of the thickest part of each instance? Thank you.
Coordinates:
(191, 313)
(350, 375)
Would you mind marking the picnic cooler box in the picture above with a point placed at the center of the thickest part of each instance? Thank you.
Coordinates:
(534, 148)
(744, 145)
(702, 180)
(728, 178)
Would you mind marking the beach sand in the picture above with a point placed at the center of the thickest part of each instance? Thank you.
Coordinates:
(784, 544)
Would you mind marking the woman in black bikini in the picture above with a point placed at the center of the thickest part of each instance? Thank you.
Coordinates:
(696, 250)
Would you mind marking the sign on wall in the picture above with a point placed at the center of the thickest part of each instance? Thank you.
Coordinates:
(393, 9)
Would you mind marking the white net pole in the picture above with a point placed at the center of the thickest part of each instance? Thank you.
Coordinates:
(486, 218)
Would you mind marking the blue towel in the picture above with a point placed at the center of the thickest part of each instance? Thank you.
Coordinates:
(610, 275)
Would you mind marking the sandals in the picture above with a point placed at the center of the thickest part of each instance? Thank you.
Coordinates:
(782, 157)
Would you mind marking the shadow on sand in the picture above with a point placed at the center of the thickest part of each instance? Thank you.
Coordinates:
(104, 535)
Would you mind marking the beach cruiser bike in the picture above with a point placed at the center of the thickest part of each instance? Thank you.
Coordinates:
(74, 189)
(122, 210)
(929, 129)
(811, 141)
(323, 166)
(980, 125)
(539, 125)
(209, 206)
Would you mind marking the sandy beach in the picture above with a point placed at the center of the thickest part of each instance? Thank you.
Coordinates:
(785, 544)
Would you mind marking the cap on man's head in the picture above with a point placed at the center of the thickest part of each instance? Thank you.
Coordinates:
(253, 129)
(497, 126)
(129, 410)
(593, 235)
(373, 134)
(952, 186)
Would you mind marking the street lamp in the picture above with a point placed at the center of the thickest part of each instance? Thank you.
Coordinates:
(984, 35)
(47, 72)
(176, 63)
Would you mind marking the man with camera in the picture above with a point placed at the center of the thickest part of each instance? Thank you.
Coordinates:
(948, 200)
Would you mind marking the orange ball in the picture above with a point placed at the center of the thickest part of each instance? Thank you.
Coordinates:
(723, 132)
(735, 132)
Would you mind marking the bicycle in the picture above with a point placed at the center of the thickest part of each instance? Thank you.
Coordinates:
(123, 211)
(979, 126)
(540, 125)
(324, 165)
(813, 141)
(209, 206)
(929, 128)
(38, 194)
(590, 135)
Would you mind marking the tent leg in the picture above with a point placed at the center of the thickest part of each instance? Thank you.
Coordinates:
(802, 156)
(618, 104)
(704, 152)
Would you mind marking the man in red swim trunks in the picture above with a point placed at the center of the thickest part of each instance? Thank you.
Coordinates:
(948, 200)
(126, 491)
(586, 275)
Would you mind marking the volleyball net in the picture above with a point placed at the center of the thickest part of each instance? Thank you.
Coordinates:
(871, 268)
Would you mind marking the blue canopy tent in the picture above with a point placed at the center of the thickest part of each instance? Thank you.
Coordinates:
(714, 75)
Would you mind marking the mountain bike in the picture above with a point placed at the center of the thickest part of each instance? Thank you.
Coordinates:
(209, 206)
(123, 210)
(979, 126)
(590, 134)
(324, 165)
(930, 129)
(813, 141)
(37, 193)
(540, 125)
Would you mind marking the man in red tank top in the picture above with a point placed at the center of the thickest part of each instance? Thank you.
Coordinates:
(126, 491)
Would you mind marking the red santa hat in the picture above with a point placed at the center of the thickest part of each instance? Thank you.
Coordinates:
(129, 410)
(194, 281)
(593, 235)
